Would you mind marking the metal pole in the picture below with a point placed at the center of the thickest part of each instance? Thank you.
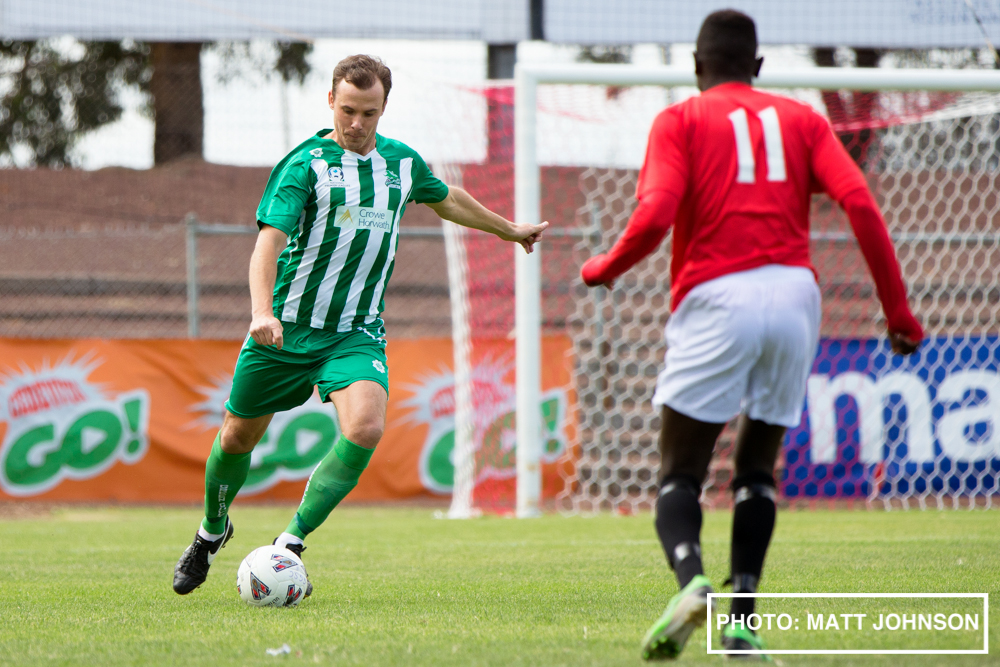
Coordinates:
(191, 230)
(464, 452)
(528, 302)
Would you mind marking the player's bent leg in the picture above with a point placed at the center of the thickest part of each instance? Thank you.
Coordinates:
(192, 568)
(225, 472)
(740, 638)
(335, 476)
(361, 409)
(239, 435)
(678, 525)
(228, 466)
(686, 446)
(686, 611)
(754, 509)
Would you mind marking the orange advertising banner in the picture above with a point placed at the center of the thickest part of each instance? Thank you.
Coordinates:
(134, 420)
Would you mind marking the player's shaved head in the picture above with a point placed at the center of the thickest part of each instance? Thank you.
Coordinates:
(363, 72)
(727, 45)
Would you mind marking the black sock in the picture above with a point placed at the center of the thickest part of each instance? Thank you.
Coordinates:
(678, 525)
(753, 524)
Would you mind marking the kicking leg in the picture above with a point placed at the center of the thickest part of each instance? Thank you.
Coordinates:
(686, 446)
(361, 408)
(228, 466)
(225, 472)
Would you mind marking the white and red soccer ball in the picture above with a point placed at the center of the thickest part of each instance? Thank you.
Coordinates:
(271, 576)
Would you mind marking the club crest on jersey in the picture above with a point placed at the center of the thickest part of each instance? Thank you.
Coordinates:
(258, 588)
(392, 180)
(336, 177)
(281, 562)
(316, 152)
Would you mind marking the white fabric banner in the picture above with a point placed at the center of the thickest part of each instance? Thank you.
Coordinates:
(864, 23)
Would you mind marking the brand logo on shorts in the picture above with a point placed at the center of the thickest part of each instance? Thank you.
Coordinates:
(335, 175)
(377, 365)
(316, 152)
(392, 180)
(363, 217)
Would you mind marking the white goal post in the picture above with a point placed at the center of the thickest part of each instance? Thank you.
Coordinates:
(528, 316)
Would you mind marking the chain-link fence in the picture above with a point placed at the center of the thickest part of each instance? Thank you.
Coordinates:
(175, 280)
(218, 298)
(107, 147)
(878, 428)
(110, 250)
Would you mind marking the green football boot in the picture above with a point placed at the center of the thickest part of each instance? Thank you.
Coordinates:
(687, 610)
(742, 639)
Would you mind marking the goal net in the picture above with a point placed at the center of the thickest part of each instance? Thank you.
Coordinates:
(877, 428)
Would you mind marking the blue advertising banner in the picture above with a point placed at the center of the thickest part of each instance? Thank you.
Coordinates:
(876, 423)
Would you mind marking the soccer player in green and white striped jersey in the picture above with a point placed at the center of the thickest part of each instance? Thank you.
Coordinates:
(329, 227)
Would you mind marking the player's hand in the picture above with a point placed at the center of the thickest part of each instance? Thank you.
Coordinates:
(267, 330)
(901, 344)
(591, 272)
(526, 235)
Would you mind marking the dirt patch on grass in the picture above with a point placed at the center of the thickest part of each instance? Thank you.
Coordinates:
(14, 510)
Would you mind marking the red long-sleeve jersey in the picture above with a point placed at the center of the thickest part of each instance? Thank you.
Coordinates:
(733, 170)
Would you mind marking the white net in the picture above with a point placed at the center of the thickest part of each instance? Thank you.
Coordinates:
(917, 431)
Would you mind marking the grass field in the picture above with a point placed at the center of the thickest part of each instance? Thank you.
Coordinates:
(398, 587)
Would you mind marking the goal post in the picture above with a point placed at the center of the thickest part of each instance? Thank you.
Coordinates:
(528, 301)
(528, 268)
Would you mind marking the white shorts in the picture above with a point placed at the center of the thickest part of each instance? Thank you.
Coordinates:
(744, 342)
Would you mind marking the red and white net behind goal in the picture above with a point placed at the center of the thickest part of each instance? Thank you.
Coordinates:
(877, 428)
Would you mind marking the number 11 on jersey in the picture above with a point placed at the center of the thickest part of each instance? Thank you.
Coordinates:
(773, 146)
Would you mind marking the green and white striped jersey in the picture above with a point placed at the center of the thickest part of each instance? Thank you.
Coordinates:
(341, 212)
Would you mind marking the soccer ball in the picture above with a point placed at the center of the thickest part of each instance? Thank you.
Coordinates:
(271, 576)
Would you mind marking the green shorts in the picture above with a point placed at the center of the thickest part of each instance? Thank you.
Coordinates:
(269, 380)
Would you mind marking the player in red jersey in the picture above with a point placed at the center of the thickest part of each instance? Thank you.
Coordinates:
(732, 171)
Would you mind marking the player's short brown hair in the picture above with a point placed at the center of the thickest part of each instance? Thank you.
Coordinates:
(362, 72)
(727, 43)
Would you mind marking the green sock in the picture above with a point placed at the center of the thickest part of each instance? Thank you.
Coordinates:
(329, 483)
(224, 475)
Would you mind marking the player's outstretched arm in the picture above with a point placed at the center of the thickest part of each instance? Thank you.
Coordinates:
(647, 227)
(905, 333)
(265, 328)
(462, 208)
(841, 178)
